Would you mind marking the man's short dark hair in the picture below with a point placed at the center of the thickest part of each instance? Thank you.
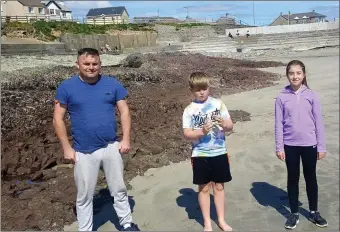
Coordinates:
(89, 51)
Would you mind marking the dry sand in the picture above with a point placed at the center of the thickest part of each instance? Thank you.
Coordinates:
(165, 199)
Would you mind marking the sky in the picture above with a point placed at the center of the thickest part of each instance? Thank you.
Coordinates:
(264, 11)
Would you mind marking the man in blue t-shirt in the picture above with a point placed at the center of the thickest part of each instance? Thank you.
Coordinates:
(91, 98)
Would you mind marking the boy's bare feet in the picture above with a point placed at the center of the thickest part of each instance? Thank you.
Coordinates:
(224, 226)
(207, 226)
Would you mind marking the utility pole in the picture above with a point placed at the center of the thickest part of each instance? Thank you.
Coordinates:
(187, 7)
(288, 17)
(254, 12)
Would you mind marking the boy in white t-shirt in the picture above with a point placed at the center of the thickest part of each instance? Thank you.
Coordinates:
(205, 122)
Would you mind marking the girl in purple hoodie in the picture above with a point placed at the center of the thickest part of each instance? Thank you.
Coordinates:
(299, 132)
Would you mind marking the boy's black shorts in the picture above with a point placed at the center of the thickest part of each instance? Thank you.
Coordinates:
(207, 169)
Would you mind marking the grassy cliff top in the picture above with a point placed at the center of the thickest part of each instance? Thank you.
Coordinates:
(50, 31)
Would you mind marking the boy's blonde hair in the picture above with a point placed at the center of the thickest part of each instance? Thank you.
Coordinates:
(198, 81)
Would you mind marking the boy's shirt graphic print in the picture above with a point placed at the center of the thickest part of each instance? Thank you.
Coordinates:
(195, 116)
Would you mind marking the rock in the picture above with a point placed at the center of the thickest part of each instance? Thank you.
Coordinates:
(37, 176)
(36, 166)
(133, 61)
(49, 174)
(22, 171)
(50, 163)
(30, 193)
(60, 166)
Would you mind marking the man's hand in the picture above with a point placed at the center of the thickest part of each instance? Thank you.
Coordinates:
(70, 154)
(281, 155)
(207, 127)
(124, 146)
(321, 155)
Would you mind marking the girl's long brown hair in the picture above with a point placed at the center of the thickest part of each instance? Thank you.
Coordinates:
(303, 67)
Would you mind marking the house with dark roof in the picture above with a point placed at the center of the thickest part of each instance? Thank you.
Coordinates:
(56, 10)
(107, 15)
(299, 18)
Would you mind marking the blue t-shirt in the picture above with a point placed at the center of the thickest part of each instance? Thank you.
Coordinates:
(92, 110)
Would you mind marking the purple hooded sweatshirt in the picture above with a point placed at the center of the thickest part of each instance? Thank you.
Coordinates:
(298, 119)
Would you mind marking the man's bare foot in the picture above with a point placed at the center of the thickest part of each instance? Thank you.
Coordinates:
(224, 226)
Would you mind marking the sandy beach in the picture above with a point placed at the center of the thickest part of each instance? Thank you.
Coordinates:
(165, 199)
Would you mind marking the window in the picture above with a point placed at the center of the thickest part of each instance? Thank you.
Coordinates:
(64, 15)
(52, 12)
(30, 10)
(41, 10)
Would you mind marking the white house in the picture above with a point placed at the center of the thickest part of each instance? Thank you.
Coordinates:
(57, 10)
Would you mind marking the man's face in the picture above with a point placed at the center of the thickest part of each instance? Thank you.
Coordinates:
(89, 65)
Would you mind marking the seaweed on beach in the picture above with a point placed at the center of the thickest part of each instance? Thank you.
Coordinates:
(34, 173)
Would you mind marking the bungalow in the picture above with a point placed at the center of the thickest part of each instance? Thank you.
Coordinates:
(57, 10)
(299, 18)
(107, 15)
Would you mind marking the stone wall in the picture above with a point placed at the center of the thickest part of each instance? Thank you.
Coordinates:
(285, 28)
(119, 41)
(185, 34)
(33, 49)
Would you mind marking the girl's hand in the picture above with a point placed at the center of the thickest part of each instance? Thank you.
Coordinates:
(281, 155)
(321, 155)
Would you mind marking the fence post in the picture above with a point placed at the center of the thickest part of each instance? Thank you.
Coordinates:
(27, 18)
(104, 20)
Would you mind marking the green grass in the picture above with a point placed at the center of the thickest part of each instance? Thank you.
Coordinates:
(44, 30)
(178, 26)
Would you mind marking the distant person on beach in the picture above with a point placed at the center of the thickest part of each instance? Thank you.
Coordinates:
(248, 34)
(237, 33)
(205, 121)
(90, 99)
(230, 35)
(299, 133)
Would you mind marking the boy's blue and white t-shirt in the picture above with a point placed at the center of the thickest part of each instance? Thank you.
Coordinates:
(195, 116)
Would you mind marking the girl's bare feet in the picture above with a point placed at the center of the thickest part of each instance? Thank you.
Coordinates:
(224, 226)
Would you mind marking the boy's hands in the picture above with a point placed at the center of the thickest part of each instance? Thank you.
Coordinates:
(207, 127)
(219, 121)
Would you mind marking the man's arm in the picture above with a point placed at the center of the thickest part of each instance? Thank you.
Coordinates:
(60, 128)
(125, 118)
